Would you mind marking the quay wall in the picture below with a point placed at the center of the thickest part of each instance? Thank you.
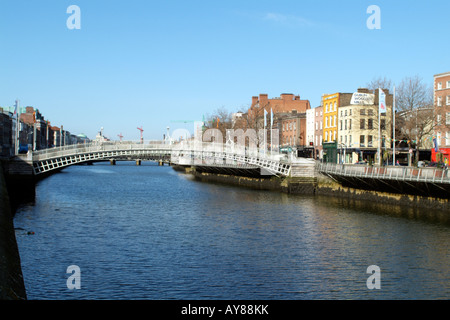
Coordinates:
(323, 186)
(299, 185)
(328, 187)
(12, 285)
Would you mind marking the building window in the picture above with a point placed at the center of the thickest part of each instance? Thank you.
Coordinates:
(447, 138)
(317, 126)
(321, 124)
(383, 124)
(448, 84)
(326, 135)
(438, 119)
(362, 112)
(370, 112)
(439, 101)
(447, 118)
(448, 100)
(326, 122)
(350, 112)
(335, 106)
(345, 122)
(342, 113)
(361, 141)
(335, 121)
(370, 124)
(370, 141)
(349, 124)
(340, 124)
(439, 86)
(362, 124)
(350, 140)
(326, 107)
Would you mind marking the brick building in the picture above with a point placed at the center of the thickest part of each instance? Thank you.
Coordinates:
(286, 103)
(33, 120)
(289, 118)
(442, 110)
(292, 133)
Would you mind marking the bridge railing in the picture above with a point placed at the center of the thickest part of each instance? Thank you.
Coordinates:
(186, 149)
(430, 175)
(185, 152)
(174, 149)
(91, 147)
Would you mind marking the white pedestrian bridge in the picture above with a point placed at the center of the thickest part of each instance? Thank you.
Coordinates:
(189, 153)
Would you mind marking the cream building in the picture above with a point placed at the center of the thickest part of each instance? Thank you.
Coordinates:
(358, 128)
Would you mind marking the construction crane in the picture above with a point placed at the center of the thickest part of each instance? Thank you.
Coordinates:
(120, 136)
(142, 137)
(184, 121)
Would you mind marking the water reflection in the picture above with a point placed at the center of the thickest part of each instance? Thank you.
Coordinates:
(431, 215)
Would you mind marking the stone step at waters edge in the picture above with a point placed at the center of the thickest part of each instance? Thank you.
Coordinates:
(303, 170)
(18, 166)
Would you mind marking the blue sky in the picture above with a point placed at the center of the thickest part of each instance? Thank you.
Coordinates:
(147, 63)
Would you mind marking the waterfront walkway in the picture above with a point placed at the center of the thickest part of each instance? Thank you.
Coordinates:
(398, 173)
(409, 180)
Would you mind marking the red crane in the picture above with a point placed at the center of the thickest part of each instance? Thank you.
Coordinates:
(120, 136)
(141, 130)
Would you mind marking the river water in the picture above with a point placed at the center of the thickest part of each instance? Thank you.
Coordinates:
(149, 232)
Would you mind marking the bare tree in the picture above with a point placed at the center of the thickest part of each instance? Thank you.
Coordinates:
(255, 120)
(416, 112)
(380, 82)
(221, 119)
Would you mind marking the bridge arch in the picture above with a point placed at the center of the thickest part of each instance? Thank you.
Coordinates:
(186, 153)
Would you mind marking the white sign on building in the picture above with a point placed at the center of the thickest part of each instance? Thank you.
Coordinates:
(363, 98)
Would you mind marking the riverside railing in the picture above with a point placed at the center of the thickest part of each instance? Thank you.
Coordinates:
(413, 174)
